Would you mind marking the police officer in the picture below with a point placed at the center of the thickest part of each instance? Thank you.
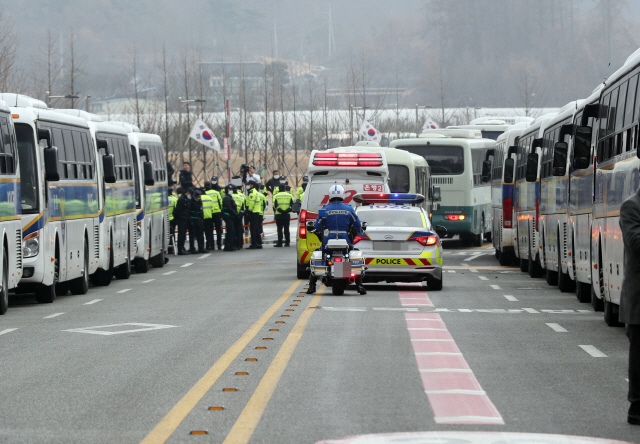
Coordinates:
(281, 185)
(214, 184)
(241, 205)
(302, 188)
(173, 200)
(254, 211)
(230, 214)
(337, 218)
(207, 210)
(264, 196)
(196, 226)
(216, 214)
(282, 203)
(181, 214)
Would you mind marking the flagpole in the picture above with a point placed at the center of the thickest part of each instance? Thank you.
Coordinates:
(228, 141)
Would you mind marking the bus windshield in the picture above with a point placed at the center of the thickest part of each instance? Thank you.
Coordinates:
(491, 134)
(443, 160)
(28, 168)
(398, 179)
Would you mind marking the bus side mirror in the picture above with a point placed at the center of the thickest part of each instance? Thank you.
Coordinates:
(486, 171)
(582, 147)
(532, 167)
(441, 231)
(508, 170)
(109, 168)
(103, 144)
(560, 151)
(44, 134)
(148, 174)
(436, 194)
(51, 164)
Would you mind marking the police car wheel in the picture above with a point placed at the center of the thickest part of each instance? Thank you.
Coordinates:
(434, 284)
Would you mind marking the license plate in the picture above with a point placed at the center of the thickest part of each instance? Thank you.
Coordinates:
(388, 246)
(374, 188)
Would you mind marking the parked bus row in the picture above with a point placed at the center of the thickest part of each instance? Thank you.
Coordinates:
(558, 185)
(82, 200)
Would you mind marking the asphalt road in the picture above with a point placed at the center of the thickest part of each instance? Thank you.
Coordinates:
(226, 344)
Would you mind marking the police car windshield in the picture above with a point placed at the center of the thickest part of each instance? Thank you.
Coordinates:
(392, 218)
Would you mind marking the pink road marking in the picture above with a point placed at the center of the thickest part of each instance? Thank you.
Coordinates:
(455, 394)
(415, 299)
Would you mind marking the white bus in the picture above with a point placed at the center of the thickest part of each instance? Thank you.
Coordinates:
(60, 200)
(456, 159)
(526, 201)
(502, 189)
(11, 207)
(616, 178)
(117, 236)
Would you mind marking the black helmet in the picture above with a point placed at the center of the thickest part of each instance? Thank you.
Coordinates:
(214, 179)
(191, 190)
(305, 178)
(229, 187)
(252, 181)
(207, 184)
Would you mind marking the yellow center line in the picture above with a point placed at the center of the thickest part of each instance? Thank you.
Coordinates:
(246, 424)
(163, 430)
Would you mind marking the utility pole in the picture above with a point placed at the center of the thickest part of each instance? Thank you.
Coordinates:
(228, 141)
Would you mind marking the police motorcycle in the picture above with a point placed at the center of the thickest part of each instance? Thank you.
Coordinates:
(337, 264)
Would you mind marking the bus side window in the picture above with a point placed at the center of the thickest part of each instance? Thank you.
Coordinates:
(70, 155)
(8, 159)
(88, 155)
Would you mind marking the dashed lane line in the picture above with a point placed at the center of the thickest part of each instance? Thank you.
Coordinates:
(168, 273)
(188, 264)
(167, 425)
(496, 287)
(147, 281)
(8, 330)
(92, 302)
(510, 298)
(556, 327)
(53, 315)
(245, 425)
(593, 351)
(204, 256)
(123, 291)
(531, 310)
(483, 278)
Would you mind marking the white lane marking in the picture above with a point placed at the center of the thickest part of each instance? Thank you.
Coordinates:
(483, 278)
(586, 311)
(92, 302)
(496, 287)
(147, 281)
(53, 315)
(204, 256)
(438, 354)
(344, 308)
(95, 331)
(593, 351)
(186, 265)
(168, 273)
(8, 330)
(452, 271)
(432, 340)
(556, 327)
(508, 297)
(426, 328)
(445, 370)
(124, 291)
(475, 256)
(473, 270)
(398, 309)
(462, 419)
(531, 310)
(456, 391)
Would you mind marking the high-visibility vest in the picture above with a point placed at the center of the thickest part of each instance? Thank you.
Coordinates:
(207, 206)
(254, 202)
(278, 189)
(282, 202)
(300, 193)
(264, 197)
(240, 201)
(173, 200)
(216, 199)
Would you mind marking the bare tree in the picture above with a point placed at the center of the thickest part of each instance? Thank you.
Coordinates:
(75, 65)
(529, 85)
(10, 74)
(47, 66)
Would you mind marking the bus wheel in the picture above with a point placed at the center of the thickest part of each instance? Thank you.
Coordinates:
(103, 277)
(46, 294)
(158, 260)
(597, 299)
(4, 293)
(565, 283)
(302, 272)
(81, 285)
(611, 314)
(583, 292)
(124, 270)
(524, 265)
(477, 240)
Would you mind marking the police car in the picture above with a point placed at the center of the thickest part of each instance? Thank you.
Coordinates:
(400, 244)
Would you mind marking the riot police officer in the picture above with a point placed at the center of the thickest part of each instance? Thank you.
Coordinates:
(302, 188)
(230, 214)
(282, 203)
(173, 200)
(334, 221)
(241, 205)
(196, 227)
(216, 214)
(214, 184)
(281, 185)
(254, 211)
(182, 216)
(207, 210)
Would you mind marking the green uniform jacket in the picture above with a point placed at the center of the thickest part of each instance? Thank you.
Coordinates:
(282, 203)
(207, 206)
(217, 201)
(173, 200)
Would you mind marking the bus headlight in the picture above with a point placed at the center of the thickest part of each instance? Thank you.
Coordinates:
(31, 245)
(138, 232)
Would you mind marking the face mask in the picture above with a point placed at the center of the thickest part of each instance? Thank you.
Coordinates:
(214, 183)
(276, 176)
(188, 197)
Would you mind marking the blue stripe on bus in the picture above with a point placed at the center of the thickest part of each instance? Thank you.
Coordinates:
(33, 226)
(140, 216)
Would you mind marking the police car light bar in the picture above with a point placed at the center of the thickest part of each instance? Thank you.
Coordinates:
(348, 159)
(388, 198)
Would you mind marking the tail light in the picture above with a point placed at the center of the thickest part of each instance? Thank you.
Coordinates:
(454, 217)
(302, 229)
(427, 240)
(337, 259)
(507, 212)
(359, 238)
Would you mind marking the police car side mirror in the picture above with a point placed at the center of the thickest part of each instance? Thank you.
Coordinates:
(311, 228)
(441, 231)
(364, 226)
